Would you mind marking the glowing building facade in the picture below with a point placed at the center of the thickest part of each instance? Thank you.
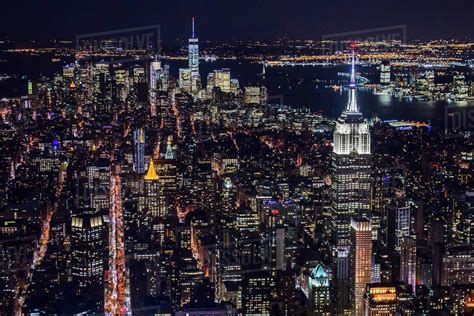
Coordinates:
(319, 290)
(139, 151)
(380, 299)
(408, 261)
(361, 261)
(193, 60)
(88, 232)
(350, 187)
(351, 162)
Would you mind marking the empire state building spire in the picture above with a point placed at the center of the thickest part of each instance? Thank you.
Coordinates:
(352, 101)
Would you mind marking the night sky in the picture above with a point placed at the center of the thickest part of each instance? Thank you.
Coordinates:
(241, 19)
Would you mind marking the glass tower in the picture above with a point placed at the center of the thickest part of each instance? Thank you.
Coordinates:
(193, 61)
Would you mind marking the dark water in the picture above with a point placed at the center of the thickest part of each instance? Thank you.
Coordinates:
(304, 86)
(300, 86)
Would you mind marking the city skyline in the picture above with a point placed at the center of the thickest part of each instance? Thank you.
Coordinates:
(280, 177)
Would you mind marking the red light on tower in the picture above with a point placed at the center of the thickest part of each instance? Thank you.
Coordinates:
(353, 45)
(275, 212)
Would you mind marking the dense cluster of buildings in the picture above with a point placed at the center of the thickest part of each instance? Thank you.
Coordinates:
(452, 83)
(125, 190)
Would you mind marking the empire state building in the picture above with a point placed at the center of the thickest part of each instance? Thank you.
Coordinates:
(351, 163)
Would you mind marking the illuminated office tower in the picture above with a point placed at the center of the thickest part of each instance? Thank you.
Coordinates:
(228, 199)
(165, 78)
(342, 289)
(398, 225)
(275, 238)
(385, 73)
(408, 261)
(122, 84)
(185, 79)
(462, 225)
(155, 77)
(222, 79)
(169, 155)
(287, 292)
(458, 265)
(153, 195)
(255, 95)
(350, 188)
(319, 291)
(257, 292)
(139, 74)
(380, 300)
(98, 184)
(351, 163)
(361, 260)
(155, 74)
(193, 60)
(88, 248)
(219, 79)
(166, 169)
(389, 186)
(279, 231)
(460, 88)
(205, 188)
(162, 106)
(139, 151)
(229, 196)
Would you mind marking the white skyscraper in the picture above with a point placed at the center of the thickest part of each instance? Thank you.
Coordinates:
(193, 61)
(155, 76)
(351, 162)
(350, 191)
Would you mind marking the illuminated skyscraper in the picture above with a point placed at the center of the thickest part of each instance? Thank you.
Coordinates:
(342, 288)
(220, 78)
(385, 73)
(139, 151)
(398, 220)
(319, 291)
(166, 169)
(257, 292)
(361, 260)
(380, 299)
(351, 162)
(155, 74)
(169, 155)
(193, 61)
(408, 261)
(98, 182)
(155, 77)
(350, 196)
(229, 196)
(88, 232)
(153, 195)
(185, 79)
